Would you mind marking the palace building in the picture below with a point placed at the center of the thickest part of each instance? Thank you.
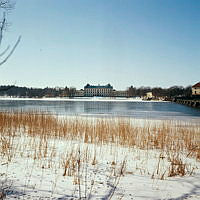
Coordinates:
(98, 90)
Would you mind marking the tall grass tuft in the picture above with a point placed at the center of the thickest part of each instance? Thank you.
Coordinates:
(171, 137)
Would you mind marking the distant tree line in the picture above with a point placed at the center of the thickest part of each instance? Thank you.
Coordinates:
(16, 91)
(158, 92)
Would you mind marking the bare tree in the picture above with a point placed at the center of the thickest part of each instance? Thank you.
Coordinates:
(5, 7)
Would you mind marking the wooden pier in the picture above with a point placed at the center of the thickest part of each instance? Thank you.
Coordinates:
(192, 103)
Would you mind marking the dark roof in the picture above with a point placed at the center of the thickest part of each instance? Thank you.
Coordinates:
(99, 86)
(196, 85)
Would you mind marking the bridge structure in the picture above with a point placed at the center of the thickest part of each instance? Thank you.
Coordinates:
(195, 103)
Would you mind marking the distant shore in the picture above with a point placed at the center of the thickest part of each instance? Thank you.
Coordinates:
(111, 99)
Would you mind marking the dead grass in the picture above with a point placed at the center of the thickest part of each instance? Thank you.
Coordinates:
(172, 138)
(165, 136)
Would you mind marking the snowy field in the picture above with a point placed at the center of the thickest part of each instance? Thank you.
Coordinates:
(42, 166)
(102, 175)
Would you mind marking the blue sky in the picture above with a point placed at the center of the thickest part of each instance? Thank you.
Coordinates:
(122, 42)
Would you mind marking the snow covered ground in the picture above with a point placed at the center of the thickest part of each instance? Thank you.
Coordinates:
(70, 170)
(52, 168)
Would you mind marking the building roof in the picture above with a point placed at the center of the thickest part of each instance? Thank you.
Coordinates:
(99, 86)
(196, 85)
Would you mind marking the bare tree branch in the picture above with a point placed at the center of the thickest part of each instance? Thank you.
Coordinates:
(6, 5)
(4, 52)
(2, 27)
(11, 52)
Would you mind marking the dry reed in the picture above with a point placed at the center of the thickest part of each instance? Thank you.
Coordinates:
(165, 136)
(170, 137)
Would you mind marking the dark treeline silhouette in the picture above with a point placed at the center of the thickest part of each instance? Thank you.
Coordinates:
(158, 92)
(16, 91)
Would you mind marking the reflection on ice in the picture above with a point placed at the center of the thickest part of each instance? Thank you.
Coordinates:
(103, 107)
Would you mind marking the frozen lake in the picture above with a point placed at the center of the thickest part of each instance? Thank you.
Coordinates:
(105, 108)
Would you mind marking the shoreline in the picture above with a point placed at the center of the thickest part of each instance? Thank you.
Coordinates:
(106, 99)
(133, 120)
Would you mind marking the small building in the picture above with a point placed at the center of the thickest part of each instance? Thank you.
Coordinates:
(149, 95)
(120, 93)
(79, 93)
(98, 90)
(196, 89)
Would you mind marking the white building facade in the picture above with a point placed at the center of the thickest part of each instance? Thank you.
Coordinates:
(98, 90)
(196, 89)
